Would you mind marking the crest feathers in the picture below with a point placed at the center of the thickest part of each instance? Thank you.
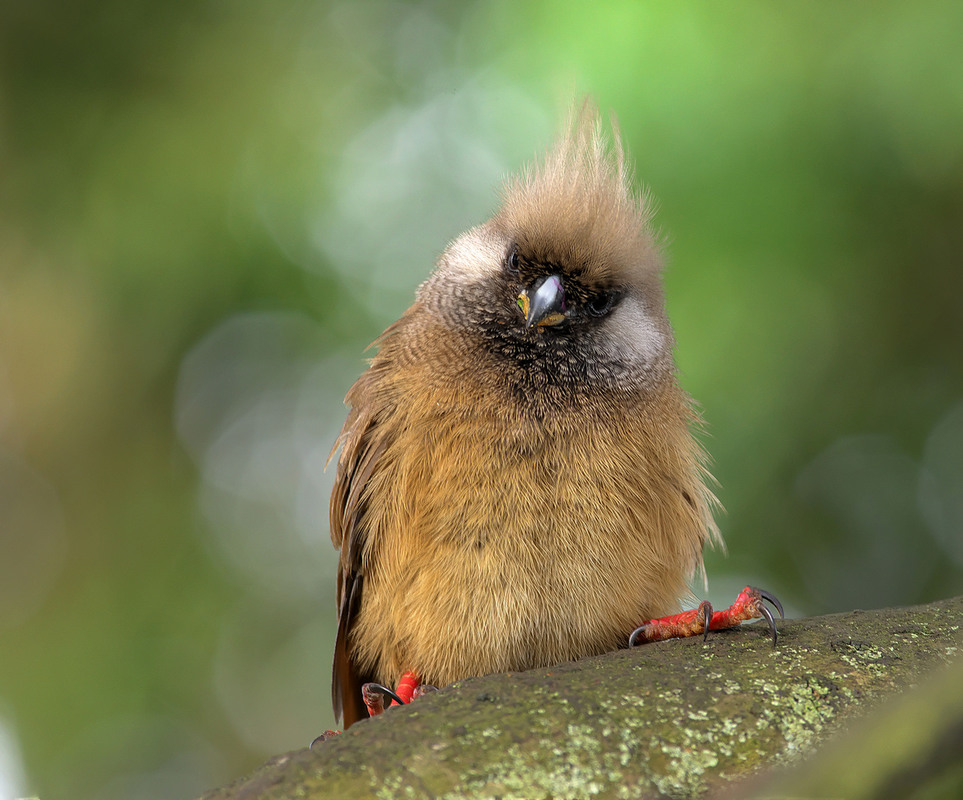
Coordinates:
(577, 205)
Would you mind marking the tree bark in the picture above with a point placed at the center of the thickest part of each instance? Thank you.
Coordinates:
(678, 719)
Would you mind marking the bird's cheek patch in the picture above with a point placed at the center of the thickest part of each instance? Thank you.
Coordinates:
(634, 333)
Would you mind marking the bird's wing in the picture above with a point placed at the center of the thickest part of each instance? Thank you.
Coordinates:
(361, 447)
(363, 441)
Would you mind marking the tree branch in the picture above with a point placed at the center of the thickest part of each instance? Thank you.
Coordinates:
(677, 718)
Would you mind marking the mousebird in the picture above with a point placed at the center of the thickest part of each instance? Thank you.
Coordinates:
(519, 484)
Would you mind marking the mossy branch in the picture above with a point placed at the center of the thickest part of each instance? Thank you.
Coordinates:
(680, 718)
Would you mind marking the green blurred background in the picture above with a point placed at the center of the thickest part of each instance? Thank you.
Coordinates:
(208, 209)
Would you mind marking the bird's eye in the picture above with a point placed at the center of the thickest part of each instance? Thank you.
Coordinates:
(598, 305)
(511, 262)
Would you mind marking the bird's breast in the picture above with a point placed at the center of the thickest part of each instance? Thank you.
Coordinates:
(504, 546)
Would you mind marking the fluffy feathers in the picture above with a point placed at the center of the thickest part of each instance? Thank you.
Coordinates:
(513, 496)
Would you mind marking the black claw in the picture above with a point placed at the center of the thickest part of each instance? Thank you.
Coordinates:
(324, 737)
(764, 611)
(770, 598)
(635, 634)
(706, 608)
(377, 687)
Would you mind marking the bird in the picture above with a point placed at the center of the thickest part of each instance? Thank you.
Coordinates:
(520, 480)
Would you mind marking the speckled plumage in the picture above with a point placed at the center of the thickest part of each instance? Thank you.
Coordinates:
(507, 496)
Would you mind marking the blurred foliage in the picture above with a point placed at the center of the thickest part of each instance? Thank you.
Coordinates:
(207, 210)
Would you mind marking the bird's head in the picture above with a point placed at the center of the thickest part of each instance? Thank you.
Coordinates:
(563, 282)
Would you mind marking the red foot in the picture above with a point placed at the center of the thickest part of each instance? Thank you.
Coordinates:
(409, 688)
(406, 687)
(749, 605)
(374, 694)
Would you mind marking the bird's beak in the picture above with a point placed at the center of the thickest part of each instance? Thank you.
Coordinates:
(543, 303)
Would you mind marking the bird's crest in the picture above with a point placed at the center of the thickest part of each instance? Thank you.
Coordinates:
(577, 206)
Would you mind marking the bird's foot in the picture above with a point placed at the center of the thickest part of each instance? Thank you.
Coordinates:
(409, 688)
(749, 605)
(324, 737)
